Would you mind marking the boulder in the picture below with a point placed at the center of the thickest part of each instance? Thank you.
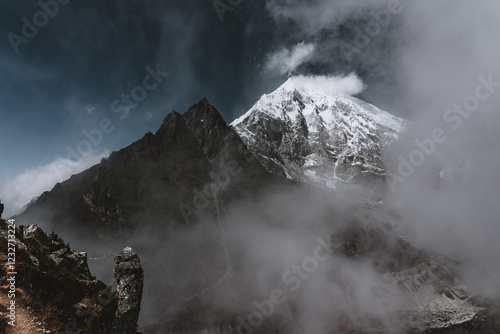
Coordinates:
(36, 237)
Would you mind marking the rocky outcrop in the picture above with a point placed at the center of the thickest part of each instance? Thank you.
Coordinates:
(55, 283)
(130, 278)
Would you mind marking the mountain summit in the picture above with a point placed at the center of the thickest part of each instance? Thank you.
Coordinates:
(307, 132)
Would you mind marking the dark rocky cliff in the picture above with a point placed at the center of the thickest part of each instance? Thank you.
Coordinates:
(150, 181)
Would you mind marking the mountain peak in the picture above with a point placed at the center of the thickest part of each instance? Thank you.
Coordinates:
(172, 117)
(203, 111)
(291, 84)
(324, 85)
(207, 125)
(312, 129)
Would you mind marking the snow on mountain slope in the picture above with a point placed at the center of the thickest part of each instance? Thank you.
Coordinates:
(305, 131)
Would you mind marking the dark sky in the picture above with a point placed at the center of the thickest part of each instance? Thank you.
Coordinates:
(65, 76)
(92, 52)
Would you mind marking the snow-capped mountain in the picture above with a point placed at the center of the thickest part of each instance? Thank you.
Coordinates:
(308, 134)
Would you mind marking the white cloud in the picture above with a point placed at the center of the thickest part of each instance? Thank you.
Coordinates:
(313, 17)
(286, 61)
(350, 84)
(90, 108)
(16, 192)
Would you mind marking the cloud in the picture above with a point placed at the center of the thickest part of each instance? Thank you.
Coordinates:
(415, 62)
(90, 108)
(449, 201)
(328, 85)
(313, 17)
(431, 55)
(335, 28)
(286, 61)
(16, 192)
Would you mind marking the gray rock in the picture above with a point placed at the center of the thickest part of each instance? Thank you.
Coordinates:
(35, 236)
(77, 263)
(130, 279)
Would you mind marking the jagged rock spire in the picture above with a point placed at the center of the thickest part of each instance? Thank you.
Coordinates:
(130, 279)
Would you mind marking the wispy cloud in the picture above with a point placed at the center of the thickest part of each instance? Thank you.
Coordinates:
(328, 85)
(17, 191)
(286, 61)
(315, 16)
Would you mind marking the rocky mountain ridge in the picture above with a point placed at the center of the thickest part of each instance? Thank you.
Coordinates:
(187, 152)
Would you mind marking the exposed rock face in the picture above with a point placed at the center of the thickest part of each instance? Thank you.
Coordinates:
(317, 138)
(144, 182)
(484, 322)
(426, 286)
(56, 283)
(130, 278)
(35, 236)
(150, 179)
(228, 154)
(393, 254)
